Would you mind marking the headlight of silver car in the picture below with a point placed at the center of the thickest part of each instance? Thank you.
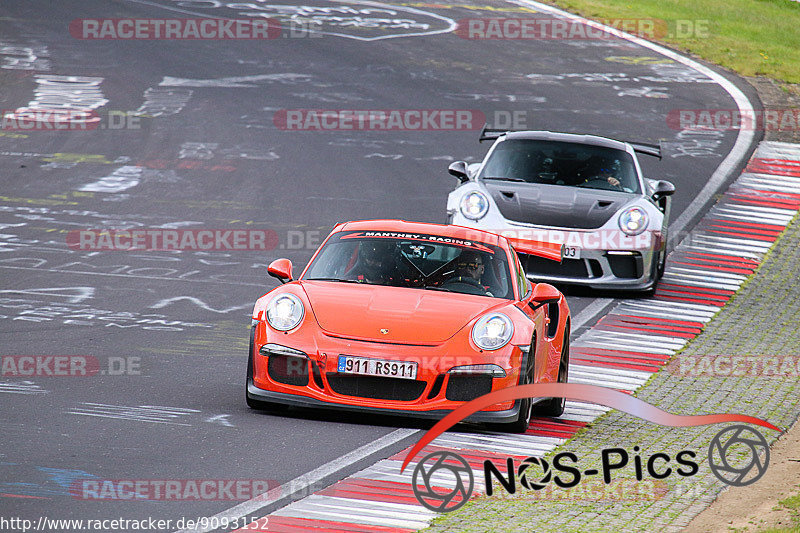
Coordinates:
(284, 312)
(633, 221)
(492, 331)
(474, 205)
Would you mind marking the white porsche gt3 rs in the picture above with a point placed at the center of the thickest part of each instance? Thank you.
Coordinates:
(582, 191)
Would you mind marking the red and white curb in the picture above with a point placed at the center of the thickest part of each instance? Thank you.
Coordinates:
(621, 351)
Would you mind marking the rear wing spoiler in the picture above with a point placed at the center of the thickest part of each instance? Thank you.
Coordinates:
(645, 148)
(490, 134)
(523, 240)
(553, 251)
(547, 250)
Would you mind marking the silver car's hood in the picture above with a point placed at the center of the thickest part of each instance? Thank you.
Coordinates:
(555, 205)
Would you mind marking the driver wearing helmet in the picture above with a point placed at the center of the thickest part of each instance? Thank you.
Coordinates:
(602, 168)
(375, 263)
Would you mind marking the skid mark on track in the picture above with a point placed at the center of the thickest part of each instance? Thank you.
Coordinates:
(73, 295)
(384, 21)
(198, 302)
(21, 387)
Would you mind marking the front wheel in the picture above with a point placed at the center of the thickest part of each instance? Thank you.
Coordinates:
(523, 420)
(658, 272)
(662, 263)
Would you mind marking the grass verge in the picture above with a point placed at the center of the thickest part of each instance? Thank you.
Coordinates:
(751, 37)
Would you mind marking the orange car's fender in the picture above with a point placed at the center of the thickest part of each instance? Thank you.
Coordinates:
(526, 323)
(556, 343)
(260, 306)
(542, 348)
(564, 322)
(548, 349)
(264, 333)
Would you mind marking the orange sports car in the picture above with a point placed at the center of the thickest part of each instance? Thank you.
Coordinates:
(409, 318)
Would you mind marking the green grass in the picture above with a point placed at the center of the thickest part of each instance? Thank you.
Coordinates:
(751, 37)
(792, 503)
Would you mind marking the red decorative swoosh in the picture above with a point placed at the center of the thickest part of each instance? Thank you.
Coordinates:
(583, 393)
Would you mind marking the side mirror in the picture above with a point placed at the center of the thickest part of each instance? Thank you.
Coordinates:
(544, 293)
(662, 189)
(459, 170)
(280, 269)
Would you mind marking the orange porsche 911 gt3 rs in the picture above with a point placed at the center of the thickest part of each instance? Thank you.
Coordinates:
(409, 318)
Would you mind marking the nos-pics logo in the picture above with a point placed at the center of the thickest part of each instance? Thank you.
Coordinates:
(443, 481)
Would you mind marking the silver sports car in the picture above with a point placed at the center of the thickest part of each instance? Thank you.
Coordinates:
(582, 191)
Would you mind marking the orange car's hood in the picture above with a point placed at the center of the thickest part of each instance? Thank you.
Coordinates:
(414, 316)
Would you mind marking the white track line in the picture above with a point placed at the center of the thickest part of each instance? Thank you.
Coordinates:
(306, 480)
(589, 312)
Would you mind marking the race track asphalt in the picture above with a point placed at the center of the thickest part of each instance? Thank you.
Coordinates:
(206, 153)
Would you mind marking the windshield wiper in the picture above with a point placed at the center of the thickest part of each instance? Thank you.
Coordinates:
(495, 178)
(335, 279)
(434, 288)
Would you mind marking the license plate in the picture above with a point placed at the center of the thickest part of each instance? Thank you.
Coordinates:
(572, 252)
(349, 364)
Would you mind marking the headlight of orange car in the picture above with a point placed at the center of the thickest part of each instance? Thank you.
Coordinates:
(284, 312)
(492, 331)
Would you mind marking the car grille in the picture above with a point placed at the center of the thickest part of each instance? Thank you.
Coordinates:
(287, 369)
(570, 268)
(626, 266)
(376, 387)
(466, 387)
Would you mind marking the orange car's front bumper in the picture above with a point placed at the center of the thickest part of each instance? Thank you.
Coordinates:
(311, 378)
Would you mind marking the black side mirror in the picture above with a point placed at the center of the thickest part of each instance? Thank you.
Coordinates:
(663, 188)
(459, 170)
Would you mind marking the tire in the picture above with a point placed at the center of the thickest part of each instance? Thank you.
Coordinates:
(554, 407)
(252, 403)
(520, 425)
(658, 271)
(662, 265)
(523, 420)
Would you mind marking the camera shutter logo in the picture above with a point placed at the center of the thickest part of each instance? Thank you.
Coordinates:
(733, 455)
(526, 469)
(442, 481)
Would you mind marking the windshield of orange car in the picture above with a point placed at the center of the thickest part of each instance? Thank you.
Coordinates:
(416, 261)
(562, 163)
